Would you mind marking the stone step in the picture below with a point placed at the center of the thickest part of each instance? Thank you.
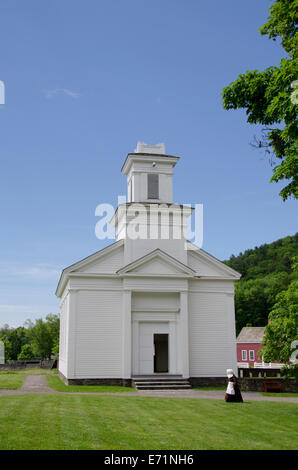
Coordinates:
(161, 384)
(158, 376)
(163, 387)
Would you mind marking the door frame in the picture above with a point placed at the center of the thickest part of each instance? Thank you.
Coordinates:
(171, 320)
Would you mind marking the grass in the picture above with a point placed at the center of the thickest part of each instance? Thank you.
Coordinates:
(38, 371)
(54, 382)
(35, 371)
(279, 394)
(11, 380)
(108, 422)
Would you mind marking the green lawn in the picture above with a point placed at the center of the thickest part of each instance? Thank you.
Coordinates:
(268, 394)
(109, 422)
(11, 380)
(56, 383)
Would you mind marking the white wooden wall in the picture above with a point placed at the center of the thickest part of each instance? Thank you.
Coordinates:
(63, 335)
(91, 335)
(98, 334)
(211, 328)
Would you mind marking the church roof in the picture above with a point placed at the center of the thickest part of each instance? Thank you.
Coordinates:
(156, 263)
(63, 278)
(210, 259)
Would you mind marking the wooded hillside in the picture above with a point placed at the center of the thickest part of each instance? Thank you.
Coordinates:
(266, 270)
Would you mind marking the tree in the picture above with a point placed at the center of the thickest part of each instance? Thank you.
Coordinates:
(53, 324)
(269, 100)
(15, 338)
(266, 271)
(55, 349)
(41, 339)
(26, 352)
(254, 298)
(282, 331)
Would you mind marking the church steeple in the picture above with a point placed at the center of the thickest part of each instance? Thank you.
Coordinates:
(149, 174)
(150, 220)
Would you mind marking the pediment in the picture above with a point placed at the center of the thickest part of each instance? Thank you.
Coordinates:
(157, 263)
(157, 266)
(108, 262)
(104, 261)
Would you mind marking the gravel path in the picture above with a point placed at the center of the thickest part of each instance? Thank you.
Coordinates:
(31, 384)
(36, 384)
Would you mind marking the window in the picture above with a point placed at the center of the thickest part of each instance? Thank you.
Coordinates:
(251, 355)
(152, 180)
(244, 355)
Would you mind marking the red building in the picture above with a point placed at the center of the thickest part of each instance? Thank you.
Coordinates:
(248, 344)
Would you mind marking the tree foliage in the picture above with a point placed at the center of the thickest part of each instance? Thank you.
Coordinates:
(282, 331)
(35, 339)
(14, 339)
(26, 352)
(266, 271)
(41, 340)
(266, 96)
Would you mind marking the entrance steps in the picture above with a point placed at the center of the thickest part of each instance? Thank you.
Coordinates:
(161, 383)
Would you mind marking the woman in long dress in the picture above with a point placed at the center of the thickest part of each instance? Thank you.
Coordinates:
(233, 393)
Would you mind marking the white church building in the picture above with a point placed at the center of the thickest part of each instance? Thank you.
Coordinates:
(152, 304)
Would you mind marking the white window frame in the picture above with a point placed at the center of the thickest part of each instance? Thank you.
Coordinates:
(243, 354)
(251, 355)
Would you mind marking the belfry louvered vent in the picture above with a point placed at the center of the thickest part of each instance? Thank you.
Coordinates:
(153, 192)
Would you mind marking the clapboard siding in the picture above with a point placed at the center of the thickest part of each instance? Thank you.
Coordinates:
(214, 285)
(211, 334)
(63, 336)
(97, 283)
(98, 333)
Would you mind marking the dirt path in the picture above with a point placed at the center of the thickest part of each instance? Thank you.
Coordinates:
(36, 384)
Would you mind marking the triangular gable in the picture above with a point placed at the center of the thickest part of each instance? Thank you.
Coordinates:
(205, 265)
(90, 262)
(108, 262)
(157, 263)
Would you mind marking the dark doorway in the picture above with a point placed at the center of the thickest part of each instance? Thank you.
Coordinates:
(161, 352)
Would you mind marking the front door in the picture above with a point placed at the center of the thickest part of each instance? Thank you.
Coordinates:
(161, 352)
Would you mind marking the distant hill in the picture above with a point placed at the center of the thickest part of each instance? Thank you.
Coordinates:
(266, 270)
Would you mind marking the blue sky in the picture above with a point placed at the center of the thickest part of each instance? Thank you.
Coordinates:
(84, 82)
